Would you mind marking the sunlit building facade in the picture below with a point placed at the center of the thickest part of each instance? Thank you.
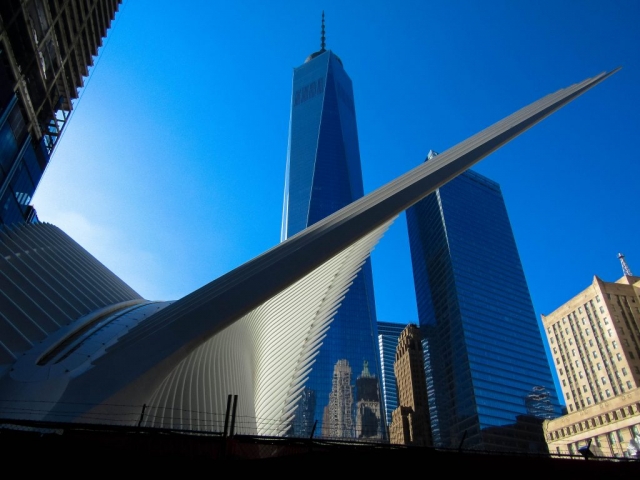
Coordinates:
(323, 175)
(410, 421)
(594, 339)
(483, 348)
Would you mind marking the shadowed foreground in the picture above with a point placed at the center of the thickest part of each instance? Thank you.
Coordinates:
(127, 448)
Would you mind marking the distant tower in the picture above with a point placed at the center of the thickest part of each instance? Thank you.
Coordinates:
(625, 268)
(368, 409)
(337, 420)
(388, 335)
(410, 423)
(323, 175)
(322, 37)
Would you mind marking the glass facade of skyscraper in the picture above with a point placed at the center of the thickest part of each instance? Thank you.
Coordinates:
(22, 162)
(323, 175)
(483, 349)
(388, 335)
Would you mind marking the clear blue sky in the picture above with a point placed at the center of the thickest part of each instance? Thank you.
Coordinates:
(171, 171)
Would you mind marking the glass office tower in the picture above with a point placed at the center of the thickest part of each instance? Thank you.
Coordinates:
(388, 335)
(323, 175)
(483, 349)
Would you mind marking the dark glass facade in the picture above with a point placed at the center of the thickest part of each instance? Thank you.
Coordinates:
(483, 349)
(323, 175)
(22, 162)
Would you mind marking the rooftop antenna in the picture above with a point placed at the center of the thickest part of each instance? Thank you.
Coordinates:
(625, 268)
(322, 42)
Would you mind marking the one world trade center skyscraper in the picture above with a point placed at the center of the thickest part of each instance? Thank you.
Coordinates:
(341, 398)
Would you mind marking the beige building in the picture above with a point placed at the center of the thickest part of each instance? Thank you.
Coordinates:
(595, 344)
(410, 421)
(612, 427)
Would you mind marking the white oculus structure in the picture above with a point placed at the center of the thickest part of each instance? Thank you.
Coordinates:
(77, 344)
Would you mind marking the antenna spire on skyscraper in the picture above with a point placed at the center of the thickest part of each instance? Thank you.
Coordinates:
(625, 268)
(322, 42)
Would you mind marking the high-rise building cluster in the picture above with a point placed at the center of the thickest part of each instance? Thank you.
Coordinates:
(594, 340)
(46, 50)
(470, 287)
(292, 333)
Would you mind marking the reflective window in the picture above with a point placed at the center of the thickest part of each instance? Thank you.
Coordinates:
(324, 175)
(465, 259)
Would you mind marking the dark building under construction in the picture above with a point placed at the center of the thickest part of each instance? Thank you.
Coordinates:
(46, 49)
